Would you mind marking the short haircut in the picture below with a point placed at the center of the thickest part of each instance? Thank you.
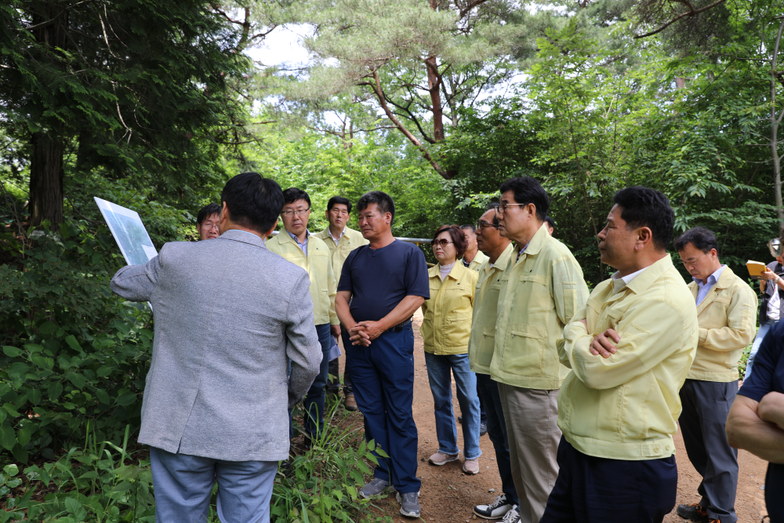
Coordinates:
(253, 201)
(550, 221)
(292, 194)
(644, 207)
(700, 237)
(528, 190)
(207, 211)
(339, 199)
(467, 226)
(382, 199)
(457, 235)
(493, 206)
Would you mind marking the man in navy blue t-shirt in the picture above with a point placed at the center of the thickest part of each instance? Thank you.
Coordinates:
(381, 286)
(756, 419)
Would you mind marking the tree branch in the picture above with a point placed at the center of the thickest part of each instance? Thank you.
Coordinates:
(382, 100)
(692, 12)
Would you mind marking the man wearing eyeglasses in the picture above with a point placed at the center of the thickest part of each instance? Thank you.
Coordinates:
(297, 245)
(481, 345)
(340, 240)
(541, 289)
(207, 221)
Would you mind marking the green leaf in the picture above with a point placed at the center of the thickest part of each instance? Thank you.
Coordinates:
(54, 391)
(11, 470)
(104, 371)
(23, 437)
(71, 341)
(20, 454)
(77, 379)
(34, 395)
(11, 410)
(18, 369)
(7, 436)
(47, 328)
(12, 352)
(103, 397)
(127, 399)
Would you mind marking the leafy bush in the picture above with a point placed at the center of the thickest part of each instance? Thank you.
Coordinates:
(72, 353)
(102, 482)
(322, 485)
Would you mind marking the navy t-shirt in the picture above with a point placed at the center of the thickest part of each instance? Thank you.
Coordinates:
(768, 376)
(379, 279)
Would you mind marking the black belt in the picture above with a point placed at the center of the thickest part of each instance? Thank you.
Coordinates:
(400, 326)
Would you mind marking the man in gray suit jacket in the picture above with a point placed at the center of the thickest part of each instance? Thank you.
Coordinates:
(229, 315)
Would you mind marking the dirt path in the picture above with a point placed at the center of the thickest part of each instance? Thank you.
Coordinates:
(448, 495)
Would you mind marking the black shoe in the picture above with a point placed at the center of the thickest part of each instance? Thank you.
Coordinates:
(482, 429)
(693, 512)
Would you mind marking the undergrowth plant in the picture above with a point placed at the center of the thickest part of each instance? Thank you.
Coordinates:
(101, 483)
(322, 485)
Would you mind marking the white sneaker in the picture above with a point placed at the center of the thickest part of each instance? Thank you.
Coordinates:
(513, 516)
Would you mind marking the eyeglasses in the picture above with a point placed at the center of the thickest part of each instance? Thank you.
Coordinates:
(503, 207)
(292, 212)
(481, 224)
(441, 242)
(209, 226)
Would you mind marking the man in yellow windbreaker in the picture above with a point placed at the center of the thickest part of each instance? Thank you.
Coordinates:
(726, 310)
(297, 245)
(630, 349)
(541, 289)
(473, 257)
(340, 240)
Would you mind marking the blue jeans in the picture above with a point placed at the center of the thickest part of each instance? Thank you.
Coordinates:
(439, 372)
(183, 486)
(763, 330)
(383, 378)
(314, 400)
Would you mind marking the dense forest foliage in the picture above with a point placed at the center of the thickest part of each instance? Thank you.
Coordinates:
(155, 105)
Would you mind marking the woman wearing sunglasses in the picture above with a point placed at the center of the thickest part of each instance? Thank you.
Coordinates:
(446, 329)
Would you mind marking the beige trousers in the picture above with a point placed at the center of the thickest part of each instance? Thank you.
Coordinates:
(531, 424)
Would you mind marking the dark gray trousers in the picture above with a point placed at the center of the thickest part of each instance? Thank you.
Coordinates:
(705, 408)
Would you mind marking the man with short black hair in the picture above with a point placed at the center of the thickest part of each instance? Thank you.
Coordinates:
(541, 289)
(216, 396)
(340, 240)
(473, 257)
(630, 348)
(207, 221)
(297, 245)
(381, 286)
(726, 308)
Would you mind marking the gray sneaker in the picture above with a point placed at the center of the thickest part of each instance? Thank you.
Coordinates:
(409, 504)
(375, 488)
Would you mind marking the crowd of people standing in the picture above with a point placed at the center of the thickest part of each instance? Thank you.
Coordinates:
(582, 391)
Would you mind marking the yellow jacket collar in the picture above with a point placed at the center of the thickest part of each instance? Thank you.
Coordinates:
(650, 275)
(537, 242)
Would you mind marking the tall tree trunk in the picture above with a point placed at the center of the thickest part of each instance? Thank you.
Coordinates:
(775, 120)
(434, 87)
(46, 180)
(46, 165)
